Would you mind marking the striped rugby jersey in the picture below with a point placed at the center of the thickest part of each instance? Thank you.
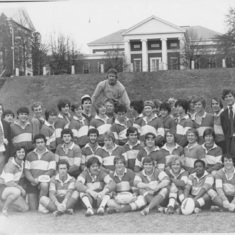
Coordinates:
(169, 123)
(49, 131)
(11, 172)
(40, 165)
(183, 175)
(219, 134)
(88, 152)
(137, 122)
(22, 135)
(80, 129)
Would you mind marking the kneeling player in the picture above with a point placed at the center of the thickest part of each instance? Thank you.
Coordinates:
(10, 191)
(179, 178)
(94, 185)
(153, 184)
(62, 194)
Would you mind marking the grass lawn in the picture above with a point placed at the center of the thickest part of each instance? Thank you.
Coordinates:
(34, 222)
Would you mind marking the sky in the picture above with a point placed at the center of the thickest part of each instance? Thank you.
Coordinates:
(87, 20)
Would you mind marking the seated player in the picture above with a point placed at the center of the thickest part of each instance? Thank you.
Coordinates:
(79, 125)
(152, 184)
(171, 148)
(101, 122)
(193, 151)
(225, 183)
(121, 124)
(94, 186)
(179, 178)
(8, 116)
(152, 151)
(70, 152)
(124, 179)
(201, 119)
(91, 148)
(48, 128)
(62, 194)
(151, 123)
(212, 151)
(109, 151)
(86, 108)
(132, 147)
(199, 185)
(10, 191)
(39, 162)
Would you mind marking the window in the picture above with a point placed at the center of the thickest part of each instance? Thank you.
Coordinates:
(155, 45)
(136, 46)
(86, 68)
(174, 63)
(173, 44)
(137, 65)
(100, 67)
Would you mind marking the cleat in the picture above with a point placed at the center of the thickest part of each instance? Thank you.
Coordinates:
(89, 212)
(169, 210)
(161, 209)
(69, 212)
(57, 213)
(100, 211)
(145, 211)
(111, 210)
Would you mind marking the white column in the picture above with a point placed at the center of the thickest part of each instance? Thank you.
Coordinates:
(127, 53)
(44, 71)
(223, 63)
(192, 64)
(72, 69)
(17, 72)
(181, 51)
(164, 53)
(144, 55)
(102, 68)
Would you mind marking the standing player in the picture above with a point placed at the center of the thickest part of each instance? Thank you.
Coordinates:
(70, 152)
(10, 191)
(39, 162)
(94, 186)
(8, 116)
(62, 194)
(86, 108)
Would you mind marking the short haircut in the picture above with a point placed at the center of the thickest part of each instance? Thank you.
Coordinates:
(93, 131)
(209, 131)
(99, 105)
(113, 71)
(109, 135)
(66, 131)
(228, 156)
(131, 130)
(50, 112)
(36, 104)
(62, 103)
(76, 105)
(137, 105)
(149, 134)
(85, 99)
(194, 131)
(148, 160)
(19, 147)
(22, 110)
(120, 108)
(201, 161)
(175, 158)
(183, 103)
(39, 136)
(149, 103)
(165, 106)
(91, 161)
(171, 132)
(110, 101)
(119, 158)
(226, 92)
(62, 162)
(7, 112)
(201, 100)
(218, 100)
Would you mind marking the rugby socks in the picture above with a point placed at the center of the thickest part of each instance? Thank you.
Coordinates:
(157, 200)
(71, 203)
(104, 201)
(86, 201)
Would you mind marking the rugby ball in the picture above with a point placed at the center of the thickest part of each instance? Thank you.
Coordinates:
(44, 178)
(124, 198)
(187, 206)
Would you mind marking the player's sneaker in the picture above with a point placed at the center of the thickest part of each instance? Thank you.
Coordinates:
(197, 210)
(145, 211)
(169, 210)
(100, 211)
(89, 212)
(42, 209)
(69, 212)
(161, 209)
(111, 210)
(57, 213)
(5, 212)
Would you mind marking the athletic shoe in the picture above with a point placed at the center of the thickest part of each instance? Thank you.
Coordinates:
(69, 212)
(57, 213)
(214, 209)
(42, 209)
(111, 210)
(169, 210)
(197, 210)
(161, 209)
(89, 212)
(5, 212)
(100, 211)
(145, 211)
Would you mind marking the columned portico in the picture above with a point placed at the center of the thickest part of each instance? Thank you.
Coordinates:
(127, 51)
(164, 53)
(144, 55)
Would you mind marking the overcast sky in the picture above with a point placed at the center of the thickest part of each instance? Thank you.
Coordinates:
(87, 20)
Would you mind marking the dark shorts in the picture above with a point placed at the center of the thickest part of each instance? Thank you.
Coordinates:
(31, 189)
(2, 188)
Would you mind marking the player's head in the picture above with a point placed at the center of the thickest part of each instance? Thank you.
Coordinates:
(112, 76)
(137, 105)
(93, 164)
(119, 162)
(62, 167)
(66, 135)
(192, 135)
(8, 115)
(100, 108)
(175, 163)
(199, 166)
(165, 109)
(37, 108)
(181, 106)
(51, 115)
(63, 106)
(93, 135)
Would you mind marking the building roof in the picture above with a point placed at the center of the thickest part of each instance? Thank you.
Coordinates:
(112, 38)
(20, 16)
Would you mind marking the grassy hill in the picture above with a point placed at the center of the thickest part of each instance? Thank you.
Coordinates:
(19, 91)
